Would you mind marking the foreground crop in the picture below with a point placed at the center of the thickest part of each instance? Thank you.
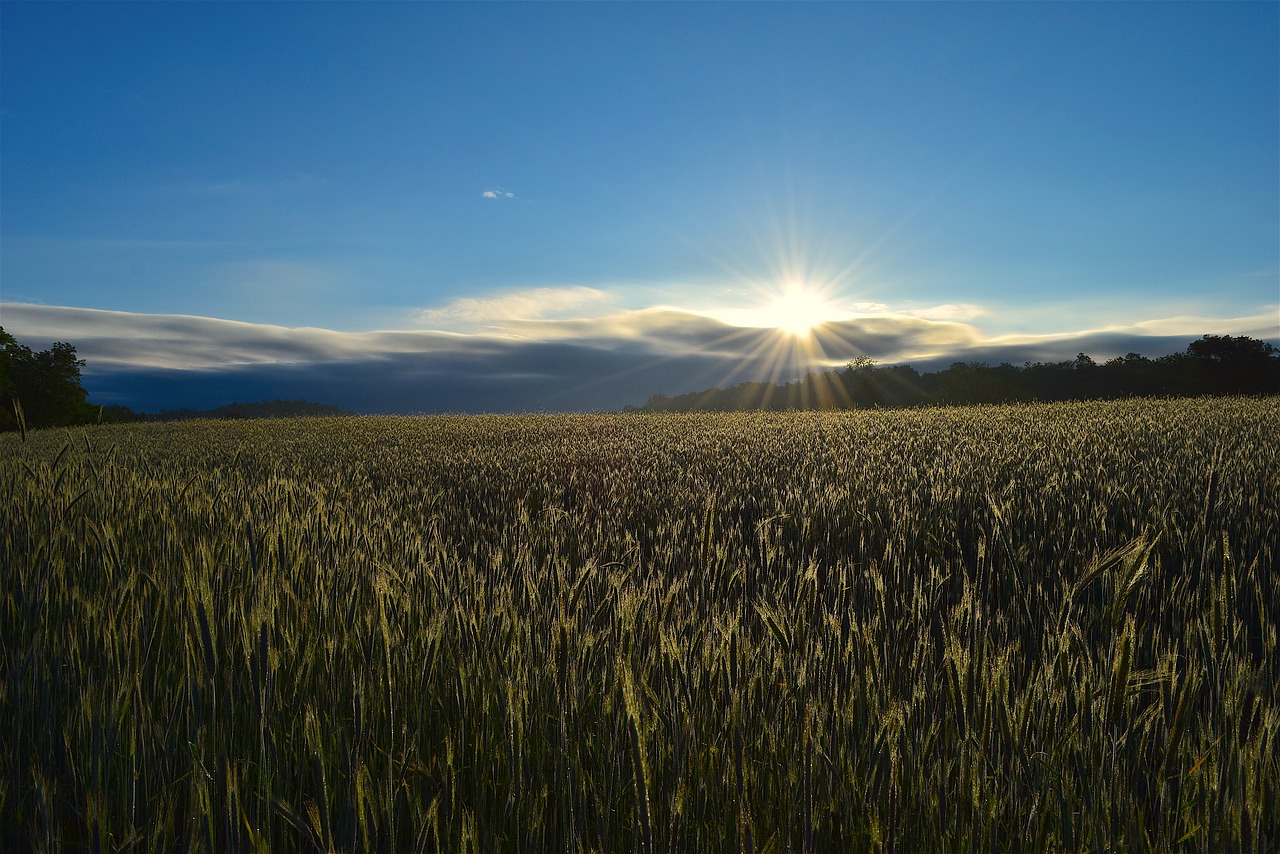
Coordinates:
(1023, 627)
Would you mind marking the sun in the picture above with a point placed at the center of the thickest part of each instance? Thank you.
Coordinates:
(797, 309)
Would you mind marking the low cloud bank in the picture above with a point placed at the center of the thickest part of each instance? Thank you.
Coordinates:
(153, 362)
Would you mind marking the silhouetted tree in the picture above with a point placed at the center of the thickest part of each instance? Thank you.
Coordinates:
(43, 386)
(1240, 365)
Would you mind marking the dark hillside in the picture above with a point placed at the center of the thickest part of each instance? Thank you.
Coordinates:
(264, 409)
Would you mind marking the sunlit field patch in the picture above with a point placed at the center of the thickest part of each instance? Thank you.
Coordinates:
(1039, 627)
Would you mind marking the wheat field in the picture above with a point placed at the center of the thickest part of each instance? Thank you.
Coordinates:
(1031, 627)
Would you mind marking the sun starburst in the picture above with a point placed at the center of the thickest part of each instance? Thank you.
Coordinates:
(797, 310)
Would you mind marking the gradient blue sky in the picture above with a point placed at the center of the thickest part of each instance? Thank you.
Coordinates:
(433, 190)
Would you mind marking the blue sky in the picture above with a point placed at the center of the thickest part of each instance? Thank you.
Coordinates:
(422, 195)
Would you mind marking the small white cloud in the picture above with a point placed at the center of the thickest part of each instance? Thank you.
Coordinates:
(498, 194)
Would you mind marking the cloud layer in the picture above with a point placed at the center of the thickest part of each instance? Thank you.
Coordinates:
(526, 359)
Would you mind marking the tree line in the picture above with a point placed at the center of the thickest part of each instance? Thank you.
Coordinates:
(1213, 365)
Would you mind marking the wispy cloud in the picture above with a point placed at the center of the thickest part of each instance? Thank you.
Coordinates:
(497, 194)
(241, 187)
(113, 244)
(279, 281)
(1265, 324)
(946, 311)
(500, 309)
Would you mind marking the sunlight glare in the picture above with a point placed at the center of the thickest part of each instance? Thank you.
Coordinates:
(797, 310)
